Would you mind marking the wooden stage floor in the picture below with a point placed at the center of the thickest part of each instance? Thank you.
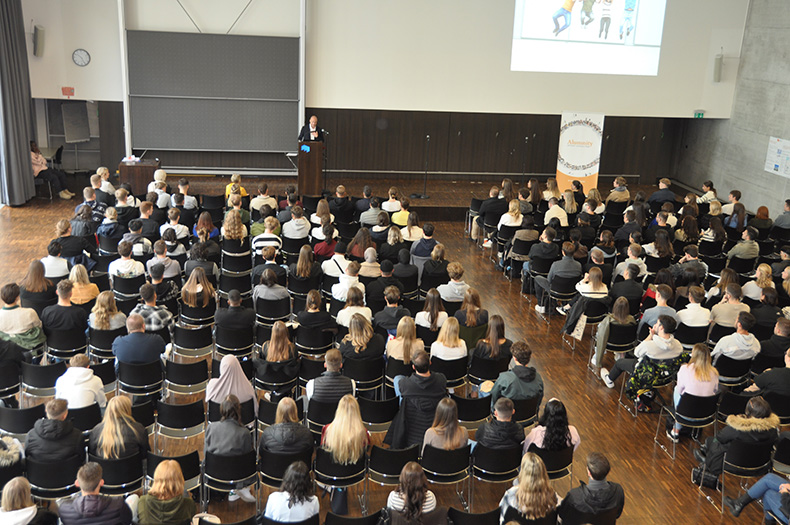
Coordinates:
(657, 489)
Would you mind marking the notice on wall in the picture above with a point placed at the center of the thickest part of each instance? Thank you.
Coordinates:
(579, 153)
(777, 160)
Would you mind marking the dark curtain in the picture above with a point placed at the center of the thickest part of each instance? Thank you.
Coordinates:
(16, 128)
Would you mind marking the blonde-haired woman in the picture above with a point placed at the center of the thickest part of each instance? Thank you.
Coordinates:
(569, 202)
(235, 178)
(105, 315)
(165, 502)
(405, 342)
(197, 291)
(513, 216)
(698, 377)
(361, 342)
(552, 189)
(118, 435)
(287, 435)
(233, 228)
(84, 290)
(763, 278)
(18, 507)
(346, 437)
(592, 284)
(595, 195)
(110, 227)
(448, 344)
(533, 496)
(446, 433)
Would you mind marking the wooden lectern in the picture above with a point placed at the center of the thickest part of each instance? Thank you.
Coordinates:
(311, 162)
(138, 174)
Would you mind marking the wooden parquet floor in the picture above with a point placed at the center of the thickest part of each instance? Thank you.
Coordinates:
(657, 489)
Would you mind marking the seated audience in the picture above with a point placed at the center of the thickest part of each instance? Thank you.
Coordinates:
(355, 304)
(361, 342)
(370, 266)
(412, 498)
(118, 435)
(55, 266)
(694, 314)
(17, 506)
(651, 315)
(772, 490)
(453, 292)
(84, 291)
(315, 316)
(79, 386)
(446, 433)
(620, 316)
(448, 344)
(424, 246)
(269, 289)
(138, 347)
(55, 438)
(19, 325)
(125, 267)
(740, 345)
(553, 431)
(432, 315)
(231, 382)
(532, 497)
(335, 266)
(494, 345)
(774, 380)
(501, 432)
(405, 342)
(105, 315)
(287, 435)
(295, 501)
(779, 340)
(698, 377)
(392, 313)
(90, 506)
(747, 247)
(763, 278)
(727, 311)
(598, 495)
(63, 315)
(235, 316)
(520, 382)
(165, 502)
(331, 385)
(470, 312)
(348, 280)
(157, 317)
(172, 269)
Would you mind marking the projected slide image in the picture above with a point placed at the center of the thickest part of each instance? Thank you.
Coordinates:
(609, 37)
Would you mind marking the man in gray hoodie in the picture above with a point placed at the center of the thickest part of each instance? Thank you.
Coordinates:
(453, 292)
(741, 345)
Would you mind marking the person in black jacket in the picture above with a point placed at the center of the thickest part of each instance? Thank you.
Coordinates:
(235, 316)
(545, 249)
(54, 439)
(419, 394)
(287, 435)
(311, 131)
(377, 287)
(341, 206)
(779, 341)
(491, 210)
(629, 288)
(314, 317)
(501, 432)
(390, 316)
(758, 425)
(598, 495)
(90, 507)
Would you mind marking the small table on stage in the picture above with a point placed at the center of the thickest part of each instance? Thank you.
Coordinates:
(311, 162)
(138, 174)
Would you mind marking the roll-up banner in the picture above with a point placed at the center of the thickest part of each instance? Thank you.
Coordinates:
(579, 153)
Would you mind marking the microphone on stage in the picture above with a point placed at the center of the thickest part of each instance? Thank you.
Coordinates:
(325, 132)
(428, 137)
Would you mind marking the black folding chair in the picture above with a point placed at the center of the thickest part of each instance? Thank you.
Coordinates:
(121, 476)
(448, 467)
(692, 411)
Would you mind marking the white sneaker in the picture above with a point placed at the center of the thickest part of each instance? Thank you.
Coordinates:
(540, 309)
(592, 361)
(246, 495)
(605, 376)
(487, 244)
(561, 310)
(233, 496)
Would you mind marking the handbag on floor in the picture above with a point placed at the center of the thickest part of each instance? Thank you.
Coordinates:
(710, 481)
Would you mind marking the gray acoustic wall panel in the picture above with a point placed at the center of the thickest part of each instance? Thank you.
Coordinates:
(213, 125)
(213, 92)
(76, 126)
(203, 65)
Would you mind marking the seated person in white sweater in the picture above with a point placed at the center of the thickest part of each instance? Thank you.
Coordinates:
(348, 280)
(659, 345)
(694, 314)
(78, 386)
(453, 292)
(448, 345)
(742, 344)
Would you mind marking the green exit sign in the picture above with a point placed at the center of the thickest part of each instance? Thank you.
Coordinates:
(699, 113)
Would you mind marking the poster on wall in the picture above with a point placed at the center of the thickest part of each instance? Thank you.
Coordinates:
(579, 153)
(777, 160)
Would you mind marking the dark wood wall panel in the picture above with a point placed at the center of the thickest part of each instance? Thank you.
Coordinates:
(485, 143)
(111, 135)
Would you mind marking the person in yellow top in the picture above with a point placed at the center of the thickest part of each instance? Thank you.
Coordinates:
(565, 13)
(401, 217)
(234, 179)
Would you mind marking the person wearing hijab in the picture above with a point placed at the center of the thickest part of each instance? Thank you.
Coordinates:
(231, 380)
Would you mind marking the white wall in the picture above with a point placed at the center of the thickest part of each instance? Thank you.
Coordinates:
(454, 55)
(71, 24)
(440, 55)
